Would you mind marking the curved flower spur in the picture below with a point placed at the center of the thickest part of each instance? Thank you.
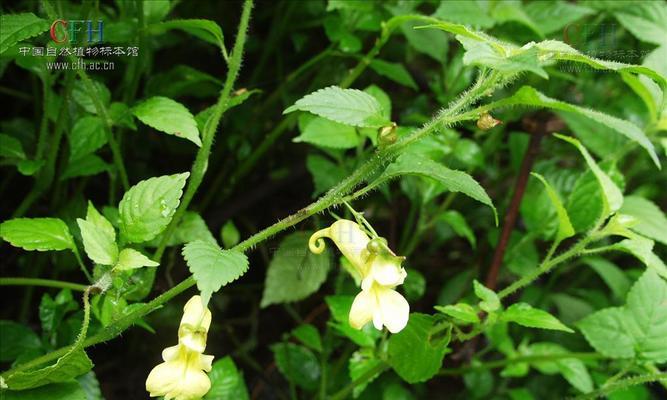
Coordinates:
(378, 269)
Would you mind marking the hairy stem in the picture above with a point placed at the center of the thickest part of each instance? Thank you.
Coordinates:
(41, 282)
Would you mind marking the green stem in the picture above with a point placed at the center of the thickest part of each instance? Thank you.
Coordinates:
(625, 383)
(41, 282)
(334, 196)
(520, 359)
(75, 250)
(201, 160)
(365, 378)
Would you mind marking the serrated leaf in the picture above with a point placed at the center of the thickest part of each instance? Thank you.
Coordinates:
(605, 331)
(612, 275)
(453, 180)
(347, 106)
(226, 381)
(613, 197)
(147, 208)
(483, 54)
(294, 272)
(132, 259)
(69, 366)
(41, 234)
(326, 133)
(489, 299)
(646, 21)
(461, 311)
(168, 116)
(524, 314)
(19, 27)
(213, 267)
(415, 353)
(86, 137)
(298, 364)
(71, 390)
(394, 71)
(642, 248)
(99, 237)
(565, 229)
(84, 97)
(652, 221)
(192, 227)
(10, 147)
(85, 166)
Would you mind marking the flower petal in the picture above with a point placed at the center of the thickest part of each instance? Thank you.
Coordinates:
(195, 314)
(362, 309)
(387, 271)
(394, 309)
(352, 242)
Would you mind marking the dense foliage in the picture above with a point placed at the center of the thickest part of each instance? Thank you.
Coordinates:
(469, 199)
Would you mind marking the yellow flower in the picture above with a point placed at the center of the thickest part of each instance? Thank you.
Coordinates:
(182, 375)
(379, 270)
(382, 305)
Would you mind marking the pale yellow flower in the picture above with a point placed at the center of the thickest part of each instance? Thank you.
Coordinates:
(382, 305)
(182, 375)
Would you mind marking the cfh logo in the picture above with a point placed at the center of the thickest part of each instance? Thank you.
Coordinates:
(75, 28)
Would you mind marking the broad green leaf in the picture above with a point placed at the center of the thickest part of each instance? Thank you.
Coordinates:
(206, 30)
(192, 227)
(326, 133)
(41, 234)
(308, 335)
(99, 237)
(10, 147)
(454, 181)
(19, 27)
(512, 10)
(461, 311)
(298, 364)
(121, 115)
(429, 42)
(147, 208)
(361, 363)
(595, 136)
(652, 222)
(16, 339)
(531, 97)
(70, 390)
(555, 15)
(394, 71)
(646, 20)
(572, 369)
(294, 272)
(347, 106)
(132, 259)
(464, 12)
(69, 366)
(489, 299)
(91, 386)
(213, 267)
(613, 198)
(85, 166)
(636, 330)
(613, 276)
(642, 248)
(86, 137)
(168, 116)
(524, 314)
(84, 97)
(585, 203)
(483, 54)
(565, 229)
(226, 381)
(326, 174)
(458, 223)
(416, 352)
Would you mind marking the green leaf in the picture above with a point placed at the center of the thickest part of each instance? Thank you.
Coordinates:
(84, 98)
(121, 115)
(572, 369)
(326, 133)
(646, 20)
(183, 80)
(19, 27)
(565, 229)
(394, 71)
(192, 227)
(69, 366)
(204, 29)
(85, 166)
(430, 42)
(642, 248)
(41, 234)
(168, 116)
(10, 147)
(347, 106)
(29, 167)
(70, 390)
(361, 363)
(508, 10)
(613, 198)
(132, 259)
(16, 339)
(99, 237)
(610, 274)
(416, 353)
(483, 54)
(458, 223)
(326, 174)
(147, 208)
(584, 205)
(454, 181)
(229, 234)
(555, 15)
(298, 364)
(308, 335)
(638, 329)
(652, 220)
(464, 12)
(490, 301)
(461, 311)
(226, 381)
(294, 272)
(86, 137)
(213, 267)
(340, 306)
(524, 314)
(91, 386)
